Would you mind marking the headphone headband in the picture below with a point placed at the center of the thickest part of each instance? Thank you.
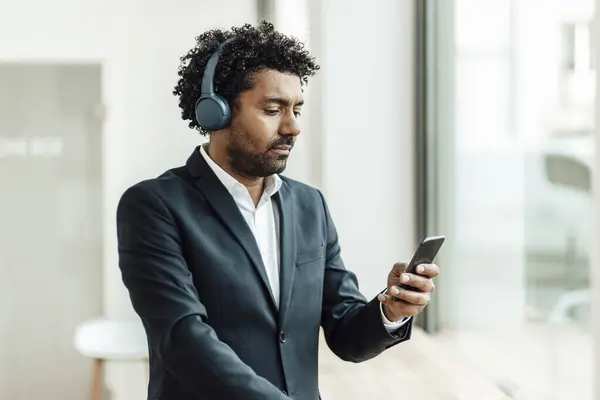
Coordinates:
(211, 67)
(212, 111)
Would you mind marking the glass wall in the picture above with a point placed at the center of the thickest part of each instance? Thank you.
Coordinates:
(511, 97)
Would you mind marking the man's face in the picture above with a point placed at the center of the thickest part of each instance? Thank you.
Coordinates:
(265, 125)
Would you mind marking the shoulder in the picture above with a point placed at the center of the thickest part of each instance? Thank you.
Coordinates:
(171, 183)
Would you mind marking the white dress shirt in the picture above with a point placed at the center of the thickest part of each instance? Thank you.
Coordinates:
(263, 220)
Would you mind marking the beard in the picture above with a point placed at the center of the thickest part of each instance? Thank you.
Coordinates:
(251, 164)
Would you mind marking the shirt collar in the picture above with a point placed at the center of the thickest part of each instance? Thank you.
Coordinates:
(272, 183)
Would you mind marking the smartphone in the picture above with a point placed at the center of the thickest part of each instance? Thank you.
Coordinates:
(425, 254)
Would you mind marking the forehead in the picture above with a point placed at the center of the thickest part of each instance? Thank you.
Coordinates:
(275, 84)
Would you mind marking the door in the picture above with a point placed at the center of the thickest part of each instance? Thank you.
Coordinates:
(50, 226)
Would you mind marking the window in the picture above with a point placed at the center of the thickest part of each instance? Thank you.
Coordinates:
(507, 146)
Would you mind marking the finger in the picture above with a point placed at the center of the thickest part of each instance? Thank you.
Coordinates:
(403, 308)
(399, 268)
(410, 296)
(394, 303)
(428, 270)
(407, 309)
(386, 299)
(418, 282)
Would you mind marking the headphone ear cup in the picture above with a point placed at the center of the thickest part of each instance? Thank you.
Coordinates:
(213, 112)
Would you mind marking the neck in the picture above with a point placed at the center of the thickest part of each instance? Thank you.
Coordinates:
(255, 186)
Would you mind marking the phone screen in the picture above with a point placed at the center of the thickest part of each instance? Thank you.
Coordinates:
(426, 252)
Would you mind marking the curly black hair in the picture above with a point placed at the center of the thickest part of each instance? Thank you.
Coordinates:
(254, 48)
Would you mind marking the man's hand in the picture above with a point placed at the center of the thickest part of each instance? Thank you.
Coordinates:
(411, 299)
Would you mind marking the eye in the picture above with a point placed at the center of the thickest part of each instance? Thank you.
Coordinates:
(297, 114)
(271, 111)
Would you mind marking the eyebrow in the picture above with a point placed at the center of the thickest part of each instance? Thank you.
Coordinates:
(282, 101)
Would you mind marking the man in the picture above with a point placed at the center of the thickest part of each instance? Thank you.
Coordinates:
(233, 268)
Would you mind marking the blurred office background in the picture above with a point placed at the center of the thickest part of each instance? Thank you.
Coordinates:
(468, 118)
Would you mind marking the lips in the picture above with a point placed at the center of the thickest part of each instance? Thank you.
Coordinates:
(283, 148)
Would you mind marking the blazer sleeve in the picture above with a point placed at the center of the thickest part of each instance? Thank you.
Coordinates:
(352, 326)
(163, 295)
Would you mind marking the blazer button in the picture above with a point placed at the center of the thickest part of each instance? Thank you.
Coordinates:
(282, 337)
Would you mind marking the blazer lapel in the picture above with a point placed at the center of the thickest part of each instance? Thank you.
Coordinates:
(227, 210)
(287, 238)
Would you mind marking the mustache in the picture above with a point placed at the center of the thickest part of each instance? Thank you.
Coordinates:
(283, 141)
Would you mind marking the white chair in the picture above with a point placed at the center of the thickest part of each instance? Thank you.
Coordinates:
(105, 339)
(569, 301)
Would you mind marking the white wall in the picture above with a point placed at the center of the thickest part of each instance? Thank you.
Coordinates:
(140, 43)
(361, 129)
(595, 273)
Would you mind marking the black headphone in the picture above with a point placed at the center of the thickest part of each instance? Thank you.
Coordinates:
(212, 111)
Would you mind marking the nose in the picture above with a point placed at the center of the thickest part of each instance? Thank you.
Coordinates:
(290, 126)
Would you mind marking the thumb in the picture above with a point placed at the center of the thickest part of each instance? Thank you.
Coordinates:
(399, 268)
